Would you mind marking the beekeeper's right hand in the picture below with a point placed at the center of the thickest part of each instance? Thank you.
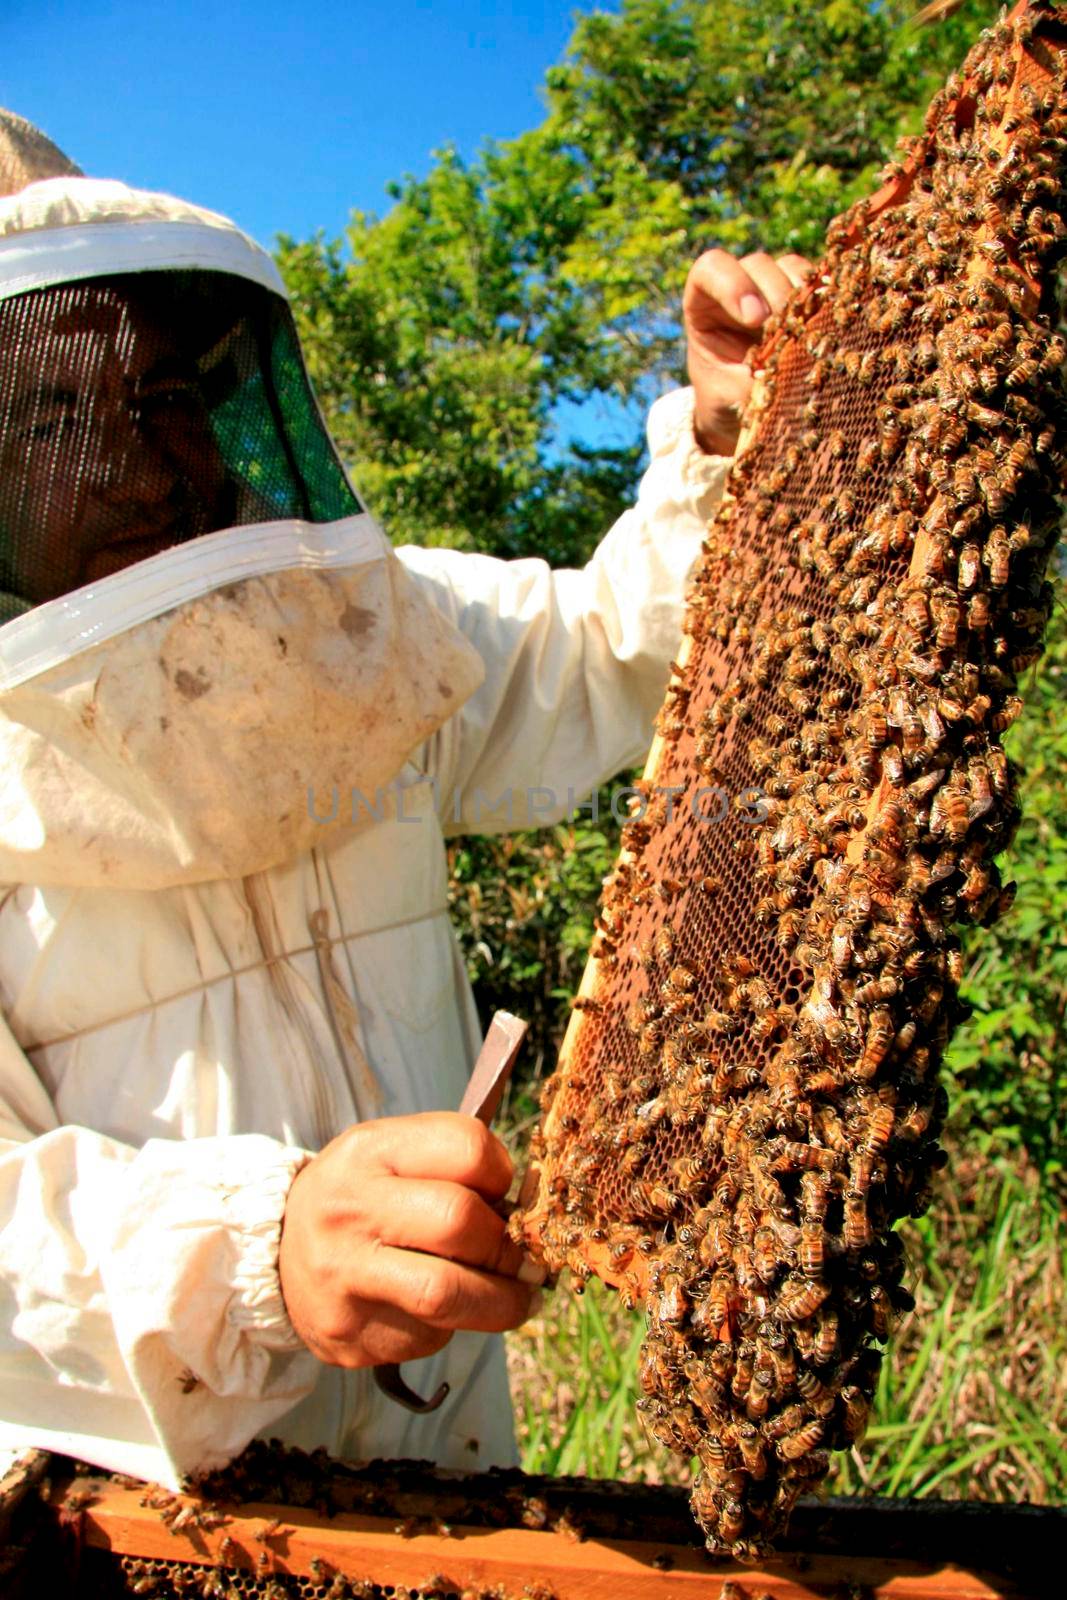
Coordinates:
(390, 1243)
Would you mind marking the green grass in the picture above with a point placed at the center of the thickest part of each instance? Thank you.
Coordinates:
(972, 1402)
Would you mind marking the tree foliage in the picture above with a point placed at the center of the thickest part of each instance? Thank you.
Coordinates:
(441, 336)
(1009, 1060)
(445, 336)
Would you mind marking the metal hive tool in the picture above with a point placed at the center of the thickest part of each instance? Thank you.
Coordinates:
(747, 1098)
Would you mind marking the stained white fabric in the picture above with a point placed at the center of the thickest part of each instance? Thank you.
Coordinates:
(170, 1056)
(180, 749)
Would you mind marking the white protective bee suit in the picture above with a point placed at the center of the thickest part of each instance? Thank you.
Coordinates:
(212, 958)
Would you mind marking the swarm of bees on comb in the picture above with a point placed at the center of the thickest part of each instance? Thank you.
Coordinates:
(748, 1098)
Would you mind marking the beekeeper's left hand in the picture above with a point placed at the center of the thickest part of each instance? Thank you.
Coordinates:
(725, 305)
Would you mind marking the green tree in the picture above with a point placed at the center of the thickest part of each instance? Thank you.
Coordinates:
(747, 124)
(1009, 1060)
(443, 337)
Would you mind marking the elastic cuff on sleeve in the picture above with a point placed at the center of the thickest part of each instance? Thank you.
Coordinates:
(670, 432)
(253, 1213)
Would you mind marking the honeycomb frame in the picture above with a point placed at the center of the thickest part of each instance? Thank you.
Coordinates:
(747, 1098)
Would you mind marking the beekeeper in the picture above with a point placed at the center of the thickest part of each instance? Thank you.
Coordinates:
(236, 727)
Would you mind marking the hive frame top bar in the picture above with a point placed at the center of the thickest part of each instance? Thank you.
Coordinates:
(591, 1539)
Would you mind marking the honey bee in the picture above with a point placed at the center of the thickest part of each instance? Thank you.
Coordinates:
(758, 1400)
(814, 1196)
(674, 1303)
(970, 569)
(826, 1336)
(1009, 713)
(911, 732)
(651, 1037)
(998, 767)
(855, 1410)
(706, 1391)
(981, 786)
(857, 1230)
(950, 813)
(622, 1253)
(755, 994)
(1024, 371)
(752, 1451)
(731, 1521)
(787, 1421)
(891, 440)
(893, 766)
(790, 1156)
(863, 1168)
(744, 1369)
(826, 1124)
(723, 1023)
(880, 1035)
(765, 1254)
(802, 1441)
(783, 1361)
(681, 978)
(799, 1299)
(915, 1122)
(881, 1313)
(1055, 354)
(812, 1252)
(812, 1391)
(999, 554)
(720, 1293)
(717, 1244)
(876, 990)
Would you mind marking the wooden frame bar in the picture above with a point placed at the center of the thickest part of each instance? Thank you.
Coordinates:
(638, 1543)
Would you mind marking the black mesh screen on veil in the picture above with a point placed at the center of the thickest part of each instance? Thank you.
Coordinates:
(142, 410)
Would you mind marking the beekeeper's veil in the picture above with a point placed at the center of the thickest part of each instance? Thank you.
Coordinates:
(201, 626)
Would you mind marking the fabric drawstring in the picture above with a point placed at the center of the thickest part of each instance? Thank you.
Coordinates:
(344, 1020)
(30, 1046)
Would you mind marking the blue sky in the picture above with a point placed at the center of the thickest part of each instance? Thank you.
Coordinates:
(283, 116)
